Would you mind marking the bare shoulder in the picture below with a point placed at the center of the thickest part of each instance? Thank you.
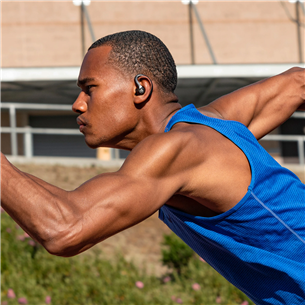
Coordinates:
(194, 161)
(211, 111)
(166, 154)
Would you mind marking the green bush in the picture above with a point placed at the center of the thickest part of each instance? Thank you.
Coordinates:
(177, 254)
(86, 279)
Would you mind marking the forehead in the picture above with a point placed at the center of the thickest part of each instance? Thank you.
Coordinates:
(95, 63)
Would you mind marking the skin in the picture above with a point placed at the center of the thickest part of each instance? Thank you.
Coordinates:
(192, 167)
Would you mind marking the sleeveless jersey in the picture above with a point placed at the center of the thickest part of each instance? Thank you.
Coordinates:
(259, 244)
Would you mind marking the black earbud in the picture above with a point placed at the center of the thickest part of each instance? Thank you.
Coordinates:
(140, 90)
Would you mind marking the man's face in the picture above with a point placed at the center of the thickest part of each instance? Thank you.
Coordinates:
(105, 104)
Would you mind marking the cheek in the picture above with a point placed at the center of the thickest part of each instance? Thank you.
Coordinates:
(121, 120)
(116, 95)
(112, 106)
(120, 104)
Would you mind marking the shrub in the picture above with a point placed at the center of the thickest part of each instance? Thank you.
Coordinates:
(177, 254)
(30, 274)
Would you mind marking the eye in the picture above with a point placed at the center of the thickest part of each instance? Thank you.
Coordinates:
(88, 88)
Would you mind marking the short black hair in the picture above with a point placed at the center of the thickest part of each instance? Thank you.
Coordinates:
(139, 52)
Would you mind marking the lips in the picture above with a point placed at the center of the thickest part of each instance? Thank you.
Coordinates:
(81, 124)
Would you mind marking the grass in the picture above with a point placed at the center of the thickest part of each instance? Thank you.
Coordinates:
(32, 273)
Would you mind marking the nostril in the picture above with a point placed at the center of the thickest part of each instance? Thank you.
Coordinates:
(77, 107)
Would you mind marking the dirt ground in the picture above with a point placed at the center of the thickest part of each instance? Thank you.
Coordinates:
(140, 244)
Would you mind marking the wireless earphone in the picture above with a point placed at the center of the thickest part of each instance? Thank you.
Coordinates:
(140, 90)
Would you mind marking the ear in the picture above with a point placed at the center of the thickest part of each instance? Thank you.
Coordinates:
(143, 88)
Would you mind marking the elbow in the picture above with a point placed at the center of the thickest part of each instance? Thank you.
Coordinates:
(58, 248)
(64, 242)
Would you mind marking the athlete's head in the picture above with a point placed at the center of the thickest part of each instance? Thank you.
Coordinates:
(138, 52)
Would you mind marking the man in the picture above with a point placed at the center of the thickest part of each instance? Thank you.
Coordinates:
(214, 184)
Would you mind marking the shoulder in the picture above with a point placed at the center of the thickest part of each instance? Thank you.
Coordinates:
(168, 154)
(156, 151)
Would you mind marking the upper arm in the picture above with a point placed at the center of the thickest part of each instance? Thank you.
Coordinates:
(67, 223)
(264, 105)
(112, 202)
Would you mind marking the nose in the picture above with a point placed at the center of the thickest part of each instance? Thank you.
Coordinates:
(80, 104)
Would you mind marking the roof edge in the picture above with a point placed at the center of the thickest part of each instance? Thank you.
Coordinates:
(184, 71)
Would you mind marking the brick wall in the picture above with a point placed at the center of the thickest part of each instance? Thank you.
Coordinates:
(36, 34)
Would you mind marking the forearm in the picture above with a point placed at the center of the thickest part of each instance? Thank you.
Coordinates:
(41, 209)
(59, 220)
(280, 97)
(52, 188)
(265, 105)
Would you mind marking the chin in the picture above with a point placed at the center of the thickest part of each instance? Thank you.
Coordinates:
(92, 144)
(95, 144)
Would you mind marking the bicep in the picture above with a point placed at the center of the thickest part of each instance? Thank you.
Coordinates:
(111, 203)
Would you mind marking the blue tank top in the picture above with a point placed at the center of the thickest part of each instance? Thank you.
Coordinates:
(259, 244)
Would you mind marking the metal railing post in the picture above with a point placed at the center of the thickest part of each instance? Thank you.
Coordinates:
(28, 142)
(82, 26)
(205, 36)
(89, 23)
(13, 130)
(301, 150)
(298, 23)
(191, 33)
(115, 154)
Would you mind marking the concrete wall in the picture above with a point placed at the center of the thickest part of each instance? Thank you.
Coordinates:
(47, 33)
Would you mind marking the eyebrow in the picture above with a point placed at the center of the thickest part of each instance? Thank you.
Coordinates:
(83, 81)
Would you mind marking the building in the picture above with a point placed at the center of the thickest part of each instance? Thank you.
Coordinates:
(218, 46)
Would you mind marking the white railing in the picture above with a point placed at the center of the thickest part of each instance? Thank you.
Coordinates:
(28, 131)
(13, 127)
(289, 138)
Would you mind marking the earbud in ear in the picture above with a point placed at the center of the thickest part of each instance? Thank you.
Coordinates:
(140, 90)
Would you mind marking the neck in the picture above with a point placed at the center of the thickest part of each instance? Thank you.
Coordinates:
(172, 108)
(153, 118)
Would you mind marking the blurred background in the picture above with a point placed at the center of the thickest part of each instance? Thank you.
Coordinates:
(218, 46)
